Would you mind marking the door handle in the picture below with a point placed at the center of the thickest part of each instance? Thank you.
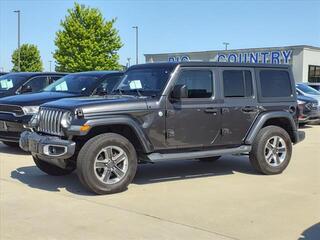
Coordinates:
(211, 110)
(249, 109)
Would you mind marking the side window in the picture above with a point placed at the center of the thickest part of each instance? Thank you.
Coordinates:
(37, 83)
(54, 78)
(275, 83)
(237, 83)
(198, 82)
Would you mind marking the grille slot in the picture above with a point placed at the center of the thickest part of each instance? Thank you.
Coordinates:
(50, 120)
(13, 109)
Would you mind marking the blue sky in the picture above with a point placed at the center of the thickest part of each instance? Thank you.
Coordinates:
(168, 26)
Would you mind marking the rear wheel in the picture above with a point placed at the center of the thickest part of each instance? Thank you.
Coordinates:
(11, 144)
(52, 169)
(210, 159)
(271, 150)
(107, 163)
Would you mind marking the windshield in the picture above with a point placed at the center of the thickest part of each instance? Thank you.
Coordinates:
(9, 81)
(308, 90)
(144, 81)
(74, 83)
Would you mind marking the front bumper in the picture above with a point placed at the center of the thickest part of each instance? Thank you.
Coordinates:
(47, 147)
(10, 131)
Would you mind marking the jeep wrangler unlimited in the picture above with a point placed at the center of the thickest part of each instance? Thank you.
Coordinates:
(166, 111)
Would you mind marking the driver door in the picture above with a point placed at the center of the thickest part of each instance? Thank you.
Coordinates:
(194, 121)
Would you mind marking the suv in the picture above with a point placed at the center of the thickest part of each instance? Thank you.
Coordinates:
(26, 82)
(16, 111)
(169, 111)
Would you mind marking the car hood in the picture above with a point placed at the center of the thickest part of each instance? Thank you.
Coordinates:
(306, 99)
(100, 104)
(317, 97)
(35, 99)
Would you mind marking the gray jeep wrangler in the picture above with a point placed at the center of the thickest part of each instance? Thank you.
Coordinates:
(169, 111)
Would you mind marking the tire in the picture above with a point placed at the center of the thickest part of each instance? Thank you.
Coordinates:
(11, 144)
(52, 169)
(302, 124)
(210, 159)
(260, 152)
(107, 180)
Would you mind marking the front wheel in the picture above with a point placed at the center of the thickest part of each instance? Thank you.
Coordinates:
(271, 150)
(107, 163)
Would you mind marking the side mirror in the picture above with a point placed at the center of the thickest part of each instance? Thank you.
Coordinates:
(102, 90)
(26, 89)
(179, 91)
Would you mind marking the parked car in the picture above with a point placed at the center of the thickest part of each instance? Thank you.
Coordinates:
(16, 111)
(309, 110)
(308, 91)
(26, 82)
(169, 111)
(316, 86)
(3, 73)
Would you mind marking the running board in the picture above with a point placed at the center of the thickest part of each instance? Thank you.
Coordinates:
(199, 154)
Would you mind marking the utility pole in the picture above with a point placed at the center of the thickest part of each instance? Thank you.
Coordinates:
(226, 45)
(128, 62)
(18, 12)
(50, 65)
(137, 44)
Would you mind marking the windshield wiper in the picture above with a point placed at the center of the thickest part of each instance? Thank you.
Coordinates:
(117, 90)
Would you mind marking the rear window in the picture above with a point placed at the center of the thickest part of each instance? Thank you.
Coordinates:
(275, 83)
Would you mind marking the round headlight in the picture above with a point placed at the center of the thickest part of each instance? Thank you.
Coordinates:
(66, 120)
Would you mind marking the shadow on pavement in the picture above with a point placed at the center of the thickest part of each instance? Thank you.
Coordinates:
(312, 233)
(12, 150)
(147, 173)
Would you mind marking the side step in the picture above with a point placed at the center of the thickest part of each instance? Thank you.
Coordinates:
(198, 154)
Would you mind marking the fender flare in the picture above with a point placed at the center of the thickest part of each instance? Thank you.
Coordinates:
(263, 118)
(124, 120)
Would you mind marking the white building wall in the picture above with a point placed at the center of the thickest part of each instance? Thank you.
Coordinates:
(310, 57)
(297, 65)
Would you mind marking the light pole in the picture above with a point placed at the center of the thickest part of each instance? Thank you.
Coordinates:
(226, 45)
(50, 65)
(128, 62)
(18, 11)
(137, 44)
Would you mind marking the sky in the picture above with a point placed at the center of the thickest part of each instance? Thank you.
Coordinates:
(168, 26)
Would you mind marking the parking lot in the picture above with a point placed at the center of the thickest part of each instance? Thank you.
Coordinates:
(168, 200)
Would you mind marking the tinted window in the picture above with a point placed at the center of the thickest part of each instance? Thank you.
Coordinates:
(8, 82)
(74, 83)
(237, 83)
(110, 82)
(38, 83)
(145, 81)
(275, 83)
(198, 82)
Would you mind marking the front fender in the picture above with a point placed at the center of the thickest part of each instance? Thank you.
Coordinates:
(263, 118)
(116, 120)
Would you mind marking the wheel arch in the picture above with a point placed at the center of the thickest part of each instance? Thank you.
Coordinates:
(280, 119)
(124, 126)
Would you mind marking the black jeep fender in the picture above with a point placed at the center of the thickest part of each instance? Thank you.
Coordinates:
(262, 119)
(117, 120)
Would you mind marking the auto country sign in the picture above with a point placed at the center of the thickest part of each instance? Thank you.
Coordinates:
(273, 57)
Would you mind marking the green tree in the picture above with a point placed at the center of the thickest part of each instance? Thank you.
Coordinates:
(30, 60)
(86, 42)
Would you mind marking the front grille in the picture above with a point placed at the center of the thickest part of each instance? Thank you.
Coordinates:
(312, 106)
(13, 109)
(49, 121)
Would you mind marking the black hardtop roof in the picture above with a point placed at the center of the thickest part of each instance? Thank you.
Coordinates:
(207, 64)
(32, 74)
(96, 73)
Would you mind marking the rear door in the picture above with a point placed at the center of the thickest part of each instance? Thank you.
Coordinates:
(240, 106)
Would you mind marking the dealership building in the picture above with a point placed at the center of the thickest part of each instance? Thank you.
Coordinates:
(305, 60)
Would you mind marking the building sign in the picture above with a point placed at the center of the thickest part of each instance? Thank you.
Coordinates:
(273, 57)
(184, 58)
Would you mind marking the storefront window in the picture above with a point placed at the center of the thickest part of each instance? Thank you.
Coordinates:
(314, 74)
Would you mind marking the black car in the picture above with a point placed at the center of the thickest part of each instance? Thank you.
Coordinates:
(169, 111)
(16, 111)
(309, 110)
(316, 86)
(26, 82)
